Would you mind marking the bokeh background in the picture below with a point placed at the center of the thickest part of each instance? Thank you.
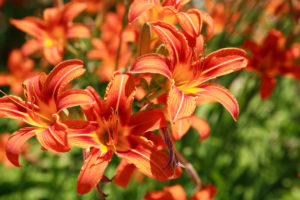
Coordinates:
(255, 158)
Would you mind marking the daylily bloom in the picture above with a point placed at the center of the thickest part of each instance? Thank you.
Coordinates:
(44, 99)
(20, 68)
(272, 58)
(176, 192)
(51, 33)
(187, 73)
(107, 47)
(120, 132)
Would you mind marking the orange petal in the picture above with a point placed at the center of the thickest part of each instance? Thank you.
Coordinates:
(215, 93)
(123, 173)
(119, 96)
(175, 41)
(147, 120)
(180, 105)
(267, 86)
(208, 20)
(201, 127)
(174, 192)
(31, 46)
(150, 161)
(190, 22)
(71, 10)
(15, 143)
(78, 31)
(30, 25)
(74, 97)
(175, 3)
(52, 16)
(55, 137)
(62, 74)
(152, 63)
(138, 7)
(96, 108)
(221, 62)
(207, 193)
(92, 170)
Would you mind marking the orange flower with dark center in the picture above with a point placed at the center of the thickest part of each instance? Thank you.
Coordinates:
(120, 132)
(44, 101)
(51, 33)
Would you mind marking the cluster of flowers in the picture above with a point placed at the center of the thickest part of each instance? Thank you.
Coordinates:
(163, 81)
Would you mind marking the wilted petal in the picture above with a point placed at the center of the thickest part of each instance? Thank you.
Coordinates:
(78, 31)
(174, 192)
(180, 105)
(74, 97)
(214, 93)
(15, 143)
(138, 7)
(55, 137)
(61, 75)
(147, 120)
(30, 25)
(175, 41)
(267, 86)
(221, 62)
(124, 173)
(152, 63)
(119, 96)
(92, 170)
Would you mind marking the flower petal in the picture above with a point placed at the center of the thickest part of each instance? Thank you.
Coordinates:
(147, 120)
(15, 143)
(190, 22)
(215, 93)
(267, 86)
(175, 41)
(78, 31)
(150, 161)
(55, 137)
(74, 97)
(30, 25)
(123, 173)
(207, 193)
(31, 46)
(61, 75)
(138, 7)
(52, 16)
(119, 96)
(152, 63)
(53, 54)
(208, 20)
(174, 192)
(180, 105)
(71, 10)
(221, 62)
(92, 170)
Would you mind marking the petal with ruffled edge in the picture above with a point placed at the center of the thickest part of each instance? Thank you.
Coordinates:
(267, 86)
(62, 74)
(221, 62)
(123, 173)
(54, 138)
(74, 97)
(30, 25)
(174, 40)
(119, 96)
(150, 161)
(138, 7)
(215, 93)
(180, 105)
(152, 63)
(15, 143)
(78, 31)
(147, 120)
(92, 170)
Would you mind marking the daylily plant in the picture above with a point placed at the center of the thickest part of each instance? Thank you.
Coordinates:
(45, 99)
(120, 132)
(51, 33)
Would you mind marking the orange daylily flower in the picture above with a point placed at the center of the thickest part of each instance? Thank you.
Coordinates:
(176, 192)
(51, 33)
(120, 132)
(20, 68)
(272, 58)
(106, 47)
(44, 99)
(187, 73)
